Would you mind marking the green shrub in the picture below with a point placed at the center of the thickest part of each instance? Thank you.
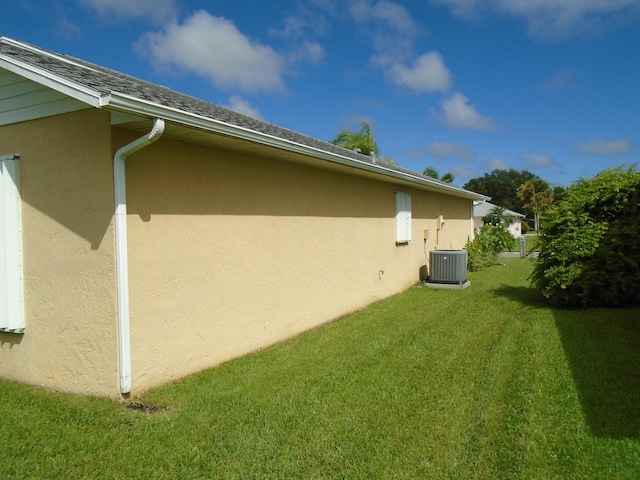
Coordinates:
(589, 243)
(478, 257)
(498, 238)
(486, 246)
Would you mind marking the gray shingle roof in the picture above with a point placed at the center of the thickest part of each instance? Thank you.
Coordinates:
(483, 209)
(106, 81)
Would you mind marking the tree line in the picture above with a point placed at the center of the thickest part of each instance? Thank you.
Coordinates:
(520, 191)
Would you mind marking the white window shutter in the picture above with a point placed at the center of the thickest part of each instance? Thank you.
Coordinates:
(403, 217)
(11, 281)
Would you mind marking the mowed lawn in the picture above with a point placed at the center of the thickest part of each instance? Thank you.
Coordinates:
(483, 383)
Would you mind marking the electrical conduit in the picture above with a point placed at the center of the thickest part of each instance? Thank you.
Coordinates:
(122, 259)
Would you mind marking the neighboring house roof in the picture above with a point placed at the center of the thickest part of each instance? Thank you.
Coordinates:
(482, 209)
(135, 103)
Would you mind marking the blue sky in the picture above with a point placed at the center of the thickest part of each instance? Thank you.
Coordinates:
(467, 86)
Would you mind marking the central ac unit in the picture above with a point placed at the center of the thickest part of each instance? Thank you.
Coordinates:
(448, 266)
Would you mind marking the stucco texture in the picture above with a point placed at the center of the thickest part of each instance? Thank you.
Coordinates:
(70, 341)
(229, 253)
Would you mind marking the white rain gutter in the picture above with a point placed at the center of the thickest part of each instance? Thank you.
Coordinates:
(129, 104)
(122, 257)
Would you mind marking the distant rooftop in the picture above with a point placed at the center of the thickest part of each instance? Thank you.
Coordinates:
(482, 209)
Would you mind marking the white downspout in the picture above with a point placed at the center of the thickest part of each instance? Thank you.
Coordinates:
(122, 258)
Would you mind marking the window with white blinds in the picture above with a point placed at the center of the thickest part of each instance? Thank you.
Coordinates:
(11, 286)
(403, 217)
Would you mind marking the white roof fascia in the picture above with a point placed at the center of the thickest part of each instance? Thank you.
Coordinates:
(123, 102)
(131, 104)
(86, 95)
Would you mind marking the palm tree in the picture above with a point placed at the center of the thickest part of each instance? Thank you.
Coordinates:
(433, 173)
(498, 216)
(448, 177)
(537, 196)
(362, 140)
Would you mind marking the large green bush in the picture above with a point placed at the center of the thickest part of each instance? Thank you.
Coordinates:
(590, 243)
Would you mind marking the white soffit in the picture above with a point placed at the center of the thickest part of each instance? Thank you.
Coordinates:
(22, 99)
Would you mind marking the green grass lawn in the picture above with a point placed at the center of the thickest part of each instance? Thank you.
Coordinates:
(487, 382)
(530, 243)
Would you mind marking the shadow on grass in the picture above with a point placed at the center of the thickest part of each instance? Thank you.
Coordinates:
(603, 350)
(528, 297)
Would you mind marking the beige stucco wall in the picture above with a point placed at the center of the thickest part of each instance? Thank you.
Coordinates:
(70, 342)
(228, 253)
(231, 253)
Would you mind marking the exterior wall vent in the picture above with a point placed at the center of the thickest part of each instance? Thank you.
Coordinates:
(448, 266)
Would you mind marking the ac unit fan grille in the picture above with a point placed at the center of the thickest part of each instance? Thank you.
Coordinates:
(448, 266)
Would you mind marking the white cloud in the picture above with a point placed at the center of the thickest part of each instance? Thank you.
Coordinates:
(293, 27)
(67, 29)
(459, 114)
(353, 122)
(155, 10)
(390, 32)
(498, 164)
(298, 28)
(389, 27)
(392, 14)
(608, 148)
(214, 48)
(240, 105)
(428, 73)
(463, 174)
(309, 51)
(537, 160)
(417, 153)
(561, 80)
(550, 19)
(444, 150)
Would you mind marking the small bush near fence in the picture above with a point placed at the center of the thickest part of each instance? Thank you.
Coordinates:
(484, 249)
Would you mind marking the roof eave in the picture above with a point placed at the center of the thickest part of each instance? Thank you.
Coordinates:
(129, 104)
(86, 95)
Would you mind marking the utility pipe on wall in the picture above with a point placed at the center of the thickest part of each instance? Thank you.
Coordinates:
(122, 257)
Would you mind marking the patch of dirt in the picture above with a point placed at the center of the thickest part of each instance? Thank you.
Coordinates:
(145, 408)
